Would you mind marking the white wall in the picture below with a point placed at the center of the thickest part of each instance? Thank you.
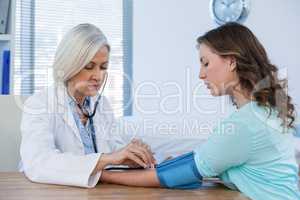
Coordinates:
(165, 35)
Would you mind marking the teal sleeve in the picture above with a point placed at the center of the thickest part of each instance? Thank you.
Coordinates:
(228, 146)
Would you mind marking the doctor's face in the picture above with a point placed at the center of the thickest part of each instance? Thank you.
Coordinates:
(217, 72)
(89, 80)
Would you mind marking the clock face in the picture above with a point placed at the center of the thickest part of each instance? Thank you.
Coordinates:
(229, 10)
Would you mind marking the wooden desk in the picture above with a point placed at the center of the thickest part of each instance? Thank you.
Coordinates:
(15, 186)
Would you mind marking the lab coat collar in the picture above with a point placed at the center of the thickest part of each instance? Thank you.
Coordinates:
(65, 108)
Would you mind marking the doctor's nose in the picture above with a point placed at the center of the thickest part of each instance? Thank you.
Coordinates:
(98, 74)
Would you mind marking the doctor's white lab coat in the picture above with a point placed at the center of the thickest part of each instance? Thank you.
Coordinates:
(51, 148)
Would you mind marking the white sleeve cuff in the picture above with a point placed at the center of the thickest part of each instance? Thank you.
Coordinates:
(93, 179)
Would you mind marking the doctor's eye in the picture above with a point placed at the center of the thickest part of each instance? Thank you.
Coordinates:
(89, 66)
(104, 66)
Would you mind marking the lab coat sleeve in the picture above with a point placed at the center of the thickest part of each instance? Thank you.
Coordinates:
(42, 161)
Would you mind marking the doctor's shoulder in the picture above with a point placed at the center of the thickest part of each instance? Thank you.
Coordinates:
(40, 101)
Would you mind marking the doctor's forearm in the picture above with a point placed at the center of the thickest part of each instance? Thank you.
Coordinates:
(144, 178)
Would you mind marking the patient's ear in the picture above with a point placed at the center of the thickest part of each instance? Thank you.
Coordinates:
(232, 63)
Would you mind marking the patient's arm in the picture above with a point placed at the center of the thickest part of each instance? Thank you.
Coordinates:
(143, 178)
(178, 173)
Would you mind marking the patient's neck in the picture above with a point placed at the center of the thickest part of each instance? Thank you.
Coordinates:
(240, 97)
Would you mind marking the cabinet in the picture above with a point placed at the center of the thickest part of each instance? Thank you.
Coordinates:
(7, 43)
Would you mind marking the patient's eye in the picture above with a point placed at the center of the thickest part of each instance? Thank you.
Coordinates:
(205, 64)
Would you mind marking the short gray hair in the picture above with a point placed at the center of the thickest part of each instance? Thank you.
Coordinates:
(77, 49)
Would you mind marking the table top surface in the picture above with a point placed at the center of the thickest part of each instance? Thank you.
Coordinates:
(14, 186)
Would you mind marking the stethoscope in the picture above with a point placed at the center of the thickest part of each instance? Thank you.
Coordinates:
(84, 111)
(89, 115)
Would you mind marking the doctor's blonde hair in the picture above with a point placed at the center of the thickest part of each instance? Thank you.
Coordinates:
(77, 49)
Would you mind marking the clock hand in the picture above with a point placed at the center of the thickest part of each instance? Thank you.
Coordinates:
(232, 2)
(224, 3)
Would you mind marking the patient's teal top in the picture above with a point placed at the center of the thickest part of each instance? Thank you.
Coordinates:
(251, 150)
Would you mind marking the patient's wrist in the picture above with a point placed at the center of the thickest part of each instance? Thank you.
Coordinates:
(105, 176)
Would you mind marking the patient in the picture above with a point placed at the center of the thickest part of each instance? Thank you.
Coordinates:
(252, 149)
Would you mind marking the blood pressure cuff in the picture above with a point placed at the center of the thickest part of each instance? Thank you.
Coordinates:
(179, 173)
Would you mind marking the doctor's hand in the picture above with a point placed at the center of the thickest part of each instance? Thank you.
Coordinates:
(148, 154)
(136, 153)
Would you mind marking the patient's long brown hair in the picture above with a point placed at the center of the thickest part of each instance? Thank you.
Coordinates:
(257, 75)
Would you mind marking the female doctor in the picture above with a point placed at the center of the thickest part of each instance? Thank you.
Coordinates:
(67, 130)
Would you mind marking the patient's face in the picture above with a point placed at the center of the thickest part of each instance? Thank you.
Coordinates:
(89, 80)
(216, 71)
